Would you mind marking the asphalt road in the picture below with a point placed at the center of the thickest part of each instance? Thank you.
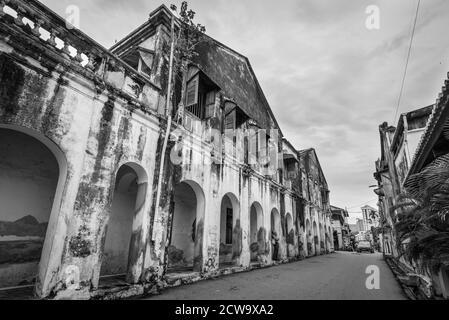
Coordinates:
(338, 276)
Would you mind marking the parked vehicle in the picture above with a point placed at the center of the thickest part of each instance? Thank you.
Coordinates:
(365, 246)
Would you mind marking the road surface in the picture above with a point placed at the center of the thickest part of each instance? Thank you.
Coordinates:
(338, 276)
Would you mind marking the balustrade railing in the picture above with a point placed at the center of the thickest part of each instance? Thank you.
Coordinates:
(37, 20)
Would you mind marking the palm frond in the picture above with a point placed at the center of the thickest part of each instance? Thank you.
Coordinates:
(423, 215)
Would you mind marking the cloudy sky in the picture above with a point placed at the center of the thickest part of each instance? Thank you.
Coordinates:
(330, 81)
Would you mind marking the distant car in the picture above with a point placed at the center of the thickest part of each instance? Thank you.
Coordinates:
(365, 246)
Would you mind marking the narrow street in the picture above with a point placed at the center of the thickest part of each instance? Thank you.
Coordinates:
(340, 276)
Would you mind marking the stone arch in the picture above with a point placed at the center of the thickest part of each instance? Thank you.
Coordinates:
(283, 225)
(289, 222)
(387, 249)
(230, 230)
(124, 231)
(187, 226)
(322, 238)
(308, 230)
(290, 235)
(34, 168)
(309, 237)
(335, 240)
(255, 227)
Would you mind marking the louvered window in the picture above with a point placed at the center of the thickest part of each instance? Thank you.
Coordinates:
(200, 97)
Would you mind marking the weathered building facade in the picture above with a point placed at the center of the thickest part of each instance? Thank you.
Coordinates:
(340, 228)
(398, 145)
(317, 210)
(99, 187)
(401, 157)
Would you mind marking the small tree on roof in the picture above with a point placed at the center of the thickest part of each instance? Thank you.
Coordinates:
(187, 37)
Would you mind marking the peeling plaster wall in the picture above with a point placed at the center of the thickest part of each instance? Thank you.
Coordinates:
(216, 181)
(91, 135)
(98, 119)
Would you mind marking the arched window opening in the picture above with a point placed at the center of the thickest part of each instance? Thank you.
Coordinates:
(230, 231)
(256, 231)
(128, 198)
(185, 250)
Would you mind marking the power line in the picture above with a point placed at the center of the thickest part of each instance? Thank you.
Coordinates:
(362, 204)
(407, 61)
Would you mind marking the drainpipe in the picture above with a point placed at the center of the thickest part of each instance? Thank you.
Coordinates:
(168, 114)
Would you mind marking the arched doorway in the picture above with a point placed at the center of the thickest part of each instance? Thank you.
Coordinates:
(31, 183)
(315, 238)
(308, 238)
(322, 239)
(186, 236)
(335, 237)
(129, 197)
(256, 229)
(276, 234)
(230, 231)
(290, 235)
(283, 225)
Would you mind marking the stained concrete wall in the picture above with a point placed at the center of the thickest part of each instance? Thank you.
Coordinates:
(92, 131)
(99, 118)
(218, 180)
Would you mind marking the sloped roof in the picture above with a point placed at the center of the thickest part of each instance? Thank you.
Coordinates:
(337, 208)
(345, 212)
(233, 73)
(369, 208)
(230, 70)
(435, 126)
(307, 152)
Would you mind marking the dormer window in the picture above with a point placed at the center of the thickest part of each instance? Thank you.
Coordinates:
(234, 116)
(140, 59)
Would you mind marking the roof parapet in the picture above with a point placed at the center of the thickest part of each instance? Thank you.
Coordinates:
(72, 47)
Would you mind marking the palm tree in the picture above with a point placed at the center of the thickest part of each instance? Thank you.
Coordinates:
(423, 216)
(373, 215)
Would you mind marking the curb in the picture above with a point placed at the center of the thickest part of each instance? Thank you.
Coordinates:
(406, 289)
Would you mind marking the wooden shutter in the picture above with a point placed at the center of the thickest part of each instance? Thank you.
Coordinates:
(230, 121)
(192, 91)
(210, 104)
(146, 60)
(210, 97)
(262, 146)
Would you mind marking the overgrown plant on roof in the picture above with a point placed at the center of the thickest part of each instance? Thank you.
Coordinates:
(187, 37)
